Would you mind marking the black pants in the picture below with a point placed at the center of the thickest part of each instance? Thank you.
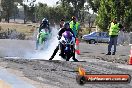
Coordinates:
(56, 50)
(113, 41)
(54, 53)
(62, 52)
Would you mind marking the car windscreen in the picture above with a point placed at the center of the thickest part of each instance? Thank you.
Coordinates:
(105, 34)
(93, 33)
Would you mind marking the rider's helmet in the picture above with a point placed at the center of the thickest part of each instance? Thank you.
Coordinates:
(61, 20)
(67, 35)
(45, 20)
(73, 18)
(66, 25)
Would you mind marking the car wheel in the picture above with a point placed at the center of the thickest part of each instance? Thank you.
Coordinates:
(87, 41)
(92, 41)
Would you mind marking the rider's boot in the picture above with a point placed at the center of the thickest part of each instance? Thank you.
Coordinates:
(62, 54)
(67, 59)
(74, 58)
(62, 51)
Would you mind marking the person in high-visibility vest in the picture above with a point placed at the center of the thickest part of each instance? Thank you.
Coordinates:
(75, 26)
(113, 33)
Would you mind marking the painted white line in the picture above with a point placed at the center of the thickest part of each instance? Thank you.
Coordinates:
(13, 80)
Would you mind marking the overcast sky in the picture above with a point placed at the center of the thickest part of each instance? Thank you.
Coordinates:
(51, 3)
(48, 2)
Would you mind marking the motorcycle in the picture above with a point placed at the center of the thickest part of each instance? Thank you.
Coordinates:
(41, 38)
(66, 45)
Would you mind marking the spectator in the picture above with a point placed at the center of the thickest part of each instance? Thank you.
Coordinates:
(113, 33)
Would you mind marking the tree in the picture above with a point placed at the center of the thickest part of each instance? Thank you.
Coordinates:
(109, 9)
(102, 19)
(54, 14)
(15, 10)
(94, 5)
(77, 5)
(29, 9)
(128, 15)
(7, 6)
(31, 13)
(41, 11)
(89, 17)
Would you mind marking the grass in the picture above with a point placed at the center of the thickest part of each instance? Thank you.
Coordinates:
(22, 28)
(19, 27)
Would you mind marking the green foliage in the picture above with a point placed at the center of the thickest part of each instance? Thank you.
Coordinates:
(109, 9)
(102, 19)
(77, 5)
(41, 11)
(31, 13)
(94, 4)
(7, 6)
(106, 10)
(53, 14)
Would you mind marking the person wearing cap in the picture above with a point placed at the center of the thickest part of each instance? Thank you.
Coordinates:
(113, 33)
(44, 25)
(75, 26)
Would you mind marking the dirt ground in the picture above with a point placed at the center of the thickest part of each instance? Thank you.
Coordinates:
(61, 74)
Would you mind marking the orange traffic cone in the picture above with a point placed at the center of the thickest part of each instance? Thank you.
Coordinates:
(77, 46)
(130, 59)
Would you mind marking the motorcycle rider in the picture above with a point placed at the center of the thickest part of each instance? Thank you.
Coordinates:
(65, 28)
(44, 25)
(43, 29)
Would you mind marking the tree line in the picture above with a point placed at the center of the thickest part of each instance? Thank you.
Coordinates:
(109, 9)
(105, 10)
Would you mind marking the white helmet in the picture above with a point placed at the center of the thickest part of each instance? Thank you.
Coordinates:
(44, 20)
(42, 30)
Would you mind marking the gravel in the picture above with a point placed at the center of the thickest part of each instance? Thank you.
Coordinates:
(63, 74)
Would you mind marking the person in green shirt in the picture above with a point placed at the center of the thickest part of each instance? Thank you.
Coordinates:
(75, 26)
(113, 33)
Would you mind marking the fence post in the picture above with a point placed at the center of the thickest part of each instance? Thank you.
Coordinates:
(130, 39)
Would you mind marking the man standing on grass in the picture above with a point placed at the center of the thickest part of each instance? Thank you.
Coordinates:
(113, 33)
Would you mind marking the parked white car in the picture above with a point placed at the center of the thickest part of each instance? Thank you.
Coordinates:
(94, 37)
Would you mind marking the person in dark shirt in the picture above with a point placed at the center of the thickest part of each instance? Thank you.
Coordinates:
(65, 28)
(62, 23)
(115, 27)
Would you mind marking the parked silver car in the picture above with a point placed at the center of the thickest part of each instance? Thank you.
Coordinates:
(94, 37)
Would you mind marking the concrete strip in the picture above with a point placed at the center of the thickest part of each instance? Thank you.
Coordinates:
(3, 84)
(21, 76)
(14, 81)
